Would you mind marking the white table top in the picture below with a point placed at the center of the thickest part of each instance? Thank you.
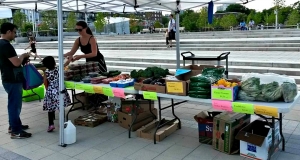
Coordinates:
(282, 106)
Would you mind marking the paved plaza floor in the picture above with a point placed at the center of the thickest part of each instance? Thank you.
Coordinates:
(109, 141)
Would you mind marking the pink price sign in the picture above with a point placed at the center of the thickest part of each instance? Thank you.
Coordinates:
(222, 105)
(119, 92)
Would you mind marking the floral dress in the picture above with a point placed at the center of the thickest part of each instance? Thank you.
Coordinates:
(51, 100)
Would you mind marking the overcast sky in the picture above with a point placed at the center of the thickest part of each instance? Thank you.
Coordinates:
(265, 4)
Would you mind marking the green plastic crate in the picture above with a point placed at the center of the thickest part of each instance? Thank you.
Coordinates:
(39, 90)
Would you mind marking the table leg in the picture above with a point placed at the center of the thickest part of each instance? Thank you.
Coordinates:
(280, 131)
(159, 119)
(173, 112)
(73, 93)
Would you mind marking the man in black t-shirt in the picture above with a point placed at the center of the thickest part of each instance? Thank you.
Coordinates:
(12, 80)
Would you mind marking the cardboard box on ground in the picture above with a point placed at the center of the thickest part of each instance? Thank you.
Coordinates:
(205, 125)
(226, 127)
(182, 84)
(148, 130)
(256, 139)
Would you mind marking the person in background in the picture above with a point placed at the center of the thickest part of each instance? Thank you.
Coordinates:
(243, 25)
(32, 52)
(171, 29)
(251, 24)
(12, 80)
(167, 38)
(51, 81)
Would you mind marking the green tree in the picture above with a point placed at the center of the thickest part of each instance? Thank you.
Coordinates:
(202, 21)
(100, 21)
(238, 8)
(3, 21)
(228, 20)
(258, 18)
(157, 24)
(165, 21)
(19, 19)
(133, 23)
(49, 19)
(270, 19)
(71, 21)
(251, 16)
(293, 18)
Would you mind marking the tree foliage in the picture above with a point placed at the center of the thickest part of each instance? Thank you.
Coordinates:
(71, 20)
(293, 18)
(228, 20)
(100, 21)
(165, 21)
(202, 20)
(49, 20)
(133, 23)
(19, 19)
(157, 24)
(238, 8)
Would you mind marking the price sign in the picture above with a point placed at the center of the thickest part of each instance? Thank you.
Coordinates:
(150, 95)
(222, 94)
(89, 89)
(79, 86)
(98, 89)
(222, 105)
(69, 84)
(108, 91)
(174, 87)
(264, 110)
(119, 92)
(243, 108)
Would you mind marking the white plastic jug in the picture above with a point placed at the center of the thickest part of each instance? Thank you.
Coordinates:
(69, 133)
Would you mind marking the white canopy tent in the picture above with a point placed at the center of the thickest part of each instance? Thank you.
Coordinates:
(106, 6)
(5, 13)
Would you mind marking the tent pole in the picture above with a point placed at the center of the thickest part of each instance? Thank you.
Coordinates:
(177, 41)
(85, 13)
(61, 73)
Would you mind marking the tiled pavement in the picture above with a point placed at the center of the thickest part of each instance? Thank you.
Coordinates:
(109, 141)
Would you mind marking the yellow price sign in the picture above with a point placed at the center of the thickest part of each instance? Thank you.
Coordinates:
(150, 95)
(69, 84)
(243, 108)
(98, 89)
(265, 110)
(174, 87)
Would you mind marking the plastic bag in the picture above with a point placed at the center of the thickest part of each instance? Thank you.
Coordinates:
(202, 79)
(32, 77)
(215, 73)
(289, 91)
(244, 96)
(251, 86)
(267, 78)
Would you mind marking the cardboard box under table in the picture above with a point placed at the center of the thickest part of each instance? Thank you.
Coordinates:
(181, 86)
(91, 120)
(256, 139)
(128, 106)
(226, 127)
(148, 130)
(125, 120)
(205, 126)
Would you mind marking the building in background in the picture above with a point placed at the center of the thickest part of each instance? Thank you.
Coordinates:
(222, 7)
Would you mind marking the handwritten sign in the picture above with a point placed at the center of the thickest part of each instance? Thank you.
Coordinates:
(264, 110)
(69, 84)
(98, 89)
(79, 86)
(174, 87)
(119, 92)
(221, 94)
(222, 105)
(150, 95)
(243, 108)
(182, 71)
(108, 91)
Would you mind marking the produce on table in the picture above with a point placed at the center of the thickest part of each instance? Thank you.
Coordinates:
(214, 73)
(155, 81)
(150, 72)
(86, 80)
(268, 88)
(200, 87)
(97, 80)
(111, 73)
(224, 83)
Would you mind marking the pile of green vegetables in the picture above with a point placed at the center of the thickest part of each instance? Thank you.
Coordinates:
(200, 86)
(111, 73)
(252, 90)
(149, 72)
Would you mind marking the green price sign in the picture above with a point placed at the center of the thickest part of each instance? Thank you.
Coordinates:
(150, 95)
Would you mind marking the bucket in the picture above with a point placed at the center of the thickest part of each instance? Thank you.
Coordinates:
(69, 133)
